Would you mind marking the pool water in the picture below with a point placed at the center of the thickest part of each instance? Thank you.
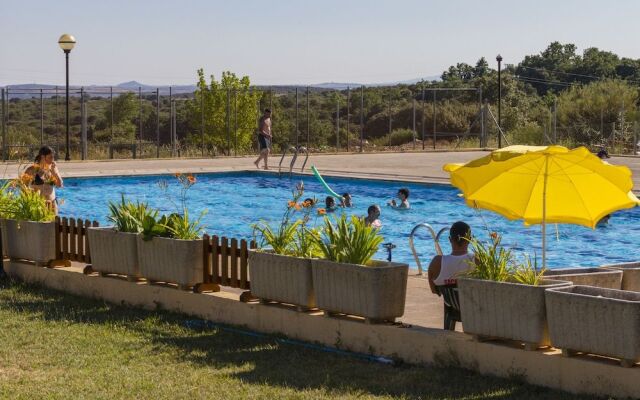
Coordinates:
(237, 200)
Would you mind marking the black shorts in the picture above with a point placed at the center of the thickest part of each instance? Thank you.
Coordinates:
(264, 142)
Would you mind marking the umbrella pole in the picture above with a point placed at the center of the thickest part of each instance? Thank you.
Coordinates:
(544, 212)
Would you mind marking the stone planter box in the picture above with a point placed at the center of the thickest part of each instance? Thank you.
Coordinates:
(630, 274)
(114, 252)
(35, 241)
(599, 277)
(281, 278)
(595, 320)
(376, 292)
(171, 260)
(506, 310)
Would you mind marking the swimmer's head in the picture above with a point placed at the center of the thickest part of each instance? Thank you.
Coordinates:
(346, 200)
(373, 211)
(330, 202)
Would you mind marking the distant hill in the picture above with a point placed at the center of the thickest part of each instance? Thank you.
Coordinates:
(29, 90)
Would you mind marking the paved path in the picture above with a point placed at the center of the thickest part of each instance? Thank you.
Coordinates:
(422, 307)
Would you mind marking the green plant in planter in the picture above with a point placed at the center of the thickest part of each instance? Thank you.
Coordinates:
(127, 216)
(349, 240)
(492, 261)
(527, 272)
(289, 237)
(495, 263)
(28, 205)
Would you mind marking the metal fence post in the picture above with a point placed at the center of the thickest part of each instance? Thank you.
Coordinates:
(4, 127)
(434, 119)
(235, 122)
(202, 120)
(481, 111)
(57, 123)
(139, 123)
(555, 120)
(41, 119)
(228, 122)
(308, 120)
(414, 121)
(6, 123)
(337, 121)
(111, 100)
(171, 126)
(390, 121)
(348, 115)
(424, 117)
(361, 119)
(157, 122)
(296, 127)
(83, 128)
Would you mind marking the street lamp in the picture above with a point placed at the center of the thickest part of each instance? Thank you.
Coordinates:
(499, 60)
(66, 43)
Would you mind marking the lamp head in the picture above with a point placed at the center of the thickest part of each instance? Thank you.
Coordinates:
(499, 58)
(66, 42)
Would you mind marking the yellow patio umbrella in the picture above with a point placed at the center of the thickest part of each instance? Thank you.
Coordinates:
(545, 184)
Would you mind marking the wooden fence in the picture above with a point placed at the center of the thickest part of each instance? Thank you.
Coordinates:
(225, 263)
(71, 239)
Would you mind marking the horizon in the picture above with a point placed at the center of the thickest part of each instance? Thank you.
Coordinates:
(367, 43)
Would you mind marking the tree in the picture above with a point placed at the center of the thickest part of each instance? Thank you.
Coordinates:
(226, 104)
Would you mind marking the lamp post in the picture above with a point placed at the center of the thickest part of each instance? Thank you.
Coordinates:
(499, 60)
(66, 43)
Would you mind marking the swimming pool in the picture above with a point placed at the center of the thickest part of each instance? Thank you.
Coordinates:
(238, 199)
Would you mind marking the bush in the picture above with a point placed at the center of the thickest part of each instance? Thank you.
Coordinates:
(397, 138)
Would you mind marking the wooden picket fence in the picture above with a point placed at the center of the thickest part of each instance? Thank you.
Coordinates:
(226, 263)
(72, 242)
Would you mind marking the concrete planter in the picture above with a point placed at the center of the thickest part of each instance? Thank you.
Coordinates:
(376, 292)
(28, 240)
(281, 278)
(113, 252)
(171, 260)
(630, 274)
(506, 310)
(595, 320)
(599, 277)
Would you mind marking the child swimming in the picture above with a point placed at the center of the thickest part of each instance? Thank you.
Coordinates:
(373, 216)
(330, 204)
(403, 196)
(346, 200)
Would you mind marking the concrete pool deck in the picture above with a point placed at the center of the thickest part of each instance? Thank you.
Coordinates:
(424, 167)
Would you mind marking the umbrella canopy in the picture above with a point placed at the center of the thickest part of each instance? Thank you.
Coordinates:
(540, 184)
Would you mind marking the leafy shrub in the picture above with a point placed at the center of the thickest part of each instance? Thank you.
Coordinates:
(128, 216)
(398, 137)
(350, 240)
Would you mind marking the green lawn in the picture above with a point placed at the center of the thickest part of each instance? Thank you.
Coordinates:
(55, 345)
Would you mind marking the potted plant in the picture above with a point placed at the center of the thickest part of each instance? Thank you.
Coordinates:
(114, 248)
(595, 320)
(630, 274)
(170, 247)
(589, 276)
(28, 229)
(501, 298)
(347, 280)
(282, 271)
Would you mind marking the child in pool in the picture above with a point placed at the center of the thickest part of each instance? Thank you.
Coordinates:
(330, 204)
(403, 196)
(373, 216)
(346, 200)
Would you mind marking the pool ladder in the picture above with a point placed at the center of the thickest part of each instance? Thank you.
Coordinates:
(295, 150)
(436, 242)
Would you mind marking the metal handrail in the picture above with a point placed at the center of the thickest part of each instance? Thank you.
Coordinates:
(295, 151)
(284, 153)
(436, 241)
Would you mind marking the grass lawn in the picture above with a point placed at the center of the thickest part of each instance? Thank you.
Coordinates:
(54, 345)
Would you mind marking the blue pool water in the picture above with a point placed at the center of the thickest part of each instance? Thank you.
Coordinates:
(236, 200)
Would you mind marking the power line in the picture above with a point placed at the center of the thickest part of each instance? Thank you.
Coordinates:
(574, 74)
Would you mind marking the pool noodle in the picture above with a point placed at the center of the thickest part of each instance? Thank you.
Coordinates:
(326, 187)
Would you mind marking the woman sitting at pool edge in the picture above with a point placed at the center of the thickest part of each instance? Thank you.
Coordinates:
(443, 270)
(44, 176)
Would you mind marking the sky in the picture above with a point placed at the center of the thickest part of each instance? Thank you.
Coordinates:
(294, 41)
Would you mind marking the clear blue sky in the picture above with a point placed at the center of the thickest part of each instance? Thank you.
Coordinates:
(294, 41)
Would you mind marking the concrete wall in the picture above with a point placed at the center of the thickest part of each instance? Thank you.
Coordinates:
(411, 344)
